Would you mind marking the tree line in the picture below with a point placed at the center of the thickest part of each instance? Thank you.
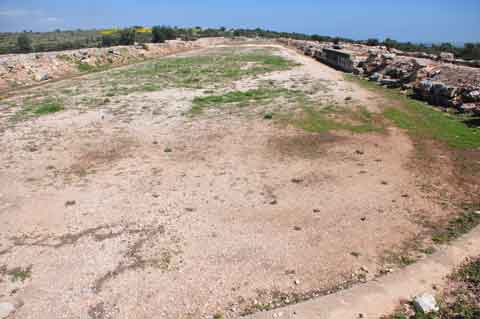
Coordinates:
(160, 34)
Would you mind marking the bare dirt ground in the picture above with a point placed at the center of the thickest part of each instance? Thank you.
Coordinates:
(132, 208)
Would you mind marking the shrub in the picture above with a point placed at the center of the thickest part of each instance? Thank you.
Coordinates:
(127, 36)
(163, 33)
(24, 43)
(108, 40)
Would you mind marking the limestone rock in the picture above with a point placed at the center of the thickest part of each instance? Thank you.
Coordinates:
(426, 303)
(6, 309)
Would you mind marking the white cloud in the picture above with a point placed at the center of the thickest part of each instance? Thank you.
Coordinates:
(14, 13)
(52, 19)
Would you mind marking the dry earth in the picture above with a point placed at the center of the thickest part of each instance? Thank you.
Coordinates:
(134, 208)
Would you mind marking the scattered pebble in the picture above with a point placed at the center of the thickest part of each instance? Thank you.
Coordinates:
(297, 180)
(363, 219)
(70, 203)
(168, 150)
(359, 152)
(297, 228)
(273, 202)
(364, 269)
(316, 210)
(296, 282)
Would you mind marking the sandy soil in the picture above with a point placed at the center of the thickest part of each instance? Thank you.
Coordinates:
(115, 227)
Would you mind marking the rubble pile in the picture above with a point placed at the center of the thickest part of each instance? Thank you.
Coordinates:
(19, 70)
(439, 80)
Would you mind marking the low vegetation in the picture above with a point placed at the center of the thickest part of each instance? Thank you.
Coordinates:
(358, 120)
(20, 274)
(458, 226)
(238, 98)
(34, 108)
(195, 72)
(460, 300)
(424, 121)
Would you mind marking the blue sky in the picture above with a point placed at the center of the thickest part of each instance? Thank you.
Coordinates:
(415, 20)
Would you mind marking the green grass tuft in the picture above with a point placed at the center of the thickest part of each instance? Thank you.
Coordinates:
(34, 108)
(320, 121)
(457, 227)
(423, 120)
(470, 273)
(20, 274)
(240, 98)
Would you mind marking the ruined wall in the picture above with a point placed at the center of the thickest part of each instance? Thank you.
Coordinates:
(439, 80)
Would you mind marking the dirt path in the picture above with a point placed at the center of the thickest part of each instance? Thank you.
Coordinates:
(238, 210)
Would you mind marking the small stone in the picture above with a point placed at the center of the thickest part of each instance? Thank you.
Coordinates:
(384, 183)
(168, 150)
(273, 202)
(268, 115)
(296, 282)
(155, 142)
(155, 195)
(426, 303)
(405, 196)
(363, 219)
(359, 152)
(297, 180)
(6, 309)
(316, 210)
(297, 228)
(70, 203)
(348, 98)
(477, 212)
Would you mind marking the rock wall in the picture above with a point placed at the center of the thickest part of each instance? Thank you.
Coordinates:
(439, 80)
(20, 70)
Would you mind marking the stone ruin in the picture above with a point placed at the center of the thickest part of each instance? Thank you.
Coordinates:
(439, 80)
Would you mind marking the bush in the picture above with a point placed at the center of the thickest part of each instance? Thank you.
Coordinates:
(24, 43)
(373, 42)
(163, 33)
(127, 36)
(108, 41)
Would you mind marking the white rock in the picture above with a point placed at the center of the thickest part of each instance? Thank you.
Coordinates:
(6, 309)
(426, 303)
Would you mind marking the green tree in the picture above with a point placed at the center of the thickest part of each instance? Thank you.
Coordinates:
(127, 36)
(163, 33)
(107, 40)
(373, 42)
(24, 43)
